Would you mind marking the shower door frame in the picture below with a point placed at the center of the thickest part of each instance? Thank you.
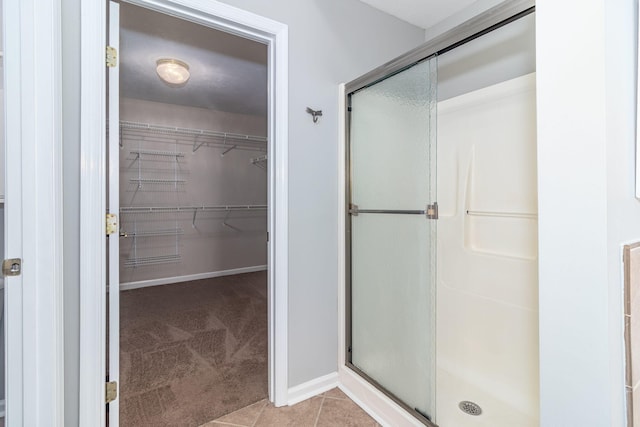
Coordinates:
(386, 407)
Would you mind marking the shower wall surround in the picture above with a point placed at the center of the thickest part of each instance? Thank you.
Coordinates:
(165, 171)
(487, 295)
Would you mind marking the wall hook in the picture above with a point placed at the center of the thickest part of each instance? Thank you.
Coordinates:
(315, 114)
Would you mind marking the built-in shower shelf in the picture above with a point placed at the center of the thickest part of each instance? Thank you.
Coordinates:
(152, 260)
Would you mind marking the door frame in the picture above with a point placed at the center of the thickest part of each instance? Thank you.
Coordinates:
(33, 208)
(94, 180)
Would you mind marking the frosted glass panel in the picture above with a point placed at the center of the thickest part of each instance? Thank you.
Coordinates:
(392, 319)
(390, 133)
(392, 165)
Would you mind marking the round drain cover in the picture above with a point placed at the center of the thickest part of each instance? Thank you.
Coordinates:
(470, 408)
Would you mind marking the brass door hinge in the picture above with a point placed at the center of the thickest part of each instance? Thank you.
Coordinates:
(11, 267)
(112, 223)
(432, 211)
(112, 57)
(110, 391)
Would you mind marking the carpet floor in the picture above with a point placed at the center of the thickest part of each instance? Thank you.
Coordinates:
(192, 352)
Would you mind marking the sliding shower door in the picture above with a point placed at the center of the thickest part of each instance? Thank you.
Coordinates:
(391, 236)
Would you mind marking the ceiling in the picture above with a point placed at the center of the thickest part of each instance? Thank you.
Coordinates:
(421, 13)
(228, 73)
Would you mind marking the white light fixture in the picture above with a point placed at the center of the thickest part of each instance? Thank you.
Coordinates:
(173, 71)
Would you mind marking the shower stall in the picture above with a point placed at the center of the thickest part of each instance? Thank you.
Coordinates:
(441, 227)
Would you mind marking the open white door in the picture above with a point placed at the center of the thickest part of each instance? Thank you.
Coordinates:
(113, 207)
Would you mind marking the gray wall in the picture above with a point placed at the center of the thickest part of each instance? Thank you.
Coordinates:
(331, 41)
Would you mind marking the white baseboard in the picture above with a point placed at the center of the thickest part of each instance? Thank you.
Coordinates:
(190, 277)
(379, 406)
(312, 388)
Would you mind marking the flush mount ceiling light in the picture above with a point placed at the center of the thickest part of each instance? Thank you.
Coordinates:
(173, 71)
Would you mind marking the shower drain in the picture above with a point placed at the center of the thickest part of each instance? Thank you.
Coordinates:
(470, 408)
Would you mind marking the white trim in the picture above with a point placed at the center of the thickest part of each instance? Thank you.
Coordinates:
(92, 210)
(93, 178)
(2, 408)
(373, 401)
(13, 210)
(341, 173)
(33, 208)
(637, 135)
(113, 206)
(312, 388)
(189, 278)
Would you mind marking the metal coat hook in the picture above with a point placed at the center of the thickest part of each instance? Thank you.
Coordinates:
(315, 114)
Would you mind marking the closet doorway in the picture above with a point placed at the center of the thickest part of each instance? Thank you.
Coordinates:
(191, 335)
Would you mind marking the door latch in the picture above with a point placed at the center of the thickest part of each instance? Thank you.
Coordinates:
(11, 267)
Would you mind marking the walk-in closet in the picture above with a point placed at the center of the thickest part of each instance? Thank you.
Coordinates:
(193, 220)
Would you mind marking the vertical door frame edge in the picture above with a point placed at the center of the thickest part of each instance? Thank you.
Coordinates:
(34, 359)
(93, 184)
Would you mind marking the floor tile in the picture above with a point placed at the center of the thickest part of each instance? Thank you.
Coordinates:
(343, 413)
(303, 414)
(245, 416)
(335, 393)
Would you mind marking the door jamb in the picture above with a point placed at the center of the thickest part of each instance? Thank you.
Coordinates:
(93, 187)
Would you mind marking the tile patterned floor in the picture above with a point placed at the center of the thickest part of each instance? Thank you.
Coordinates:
(330, 409)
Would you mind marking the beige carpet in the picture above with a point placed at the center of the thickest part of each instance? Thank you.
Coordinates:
(192, 352)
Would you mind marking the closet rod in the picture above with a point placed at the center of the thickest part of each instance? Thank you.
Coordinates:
(169, 209)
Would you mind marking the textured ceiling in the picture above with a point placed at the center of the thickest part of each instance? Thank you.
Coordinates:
(228, 73)
(421, 13)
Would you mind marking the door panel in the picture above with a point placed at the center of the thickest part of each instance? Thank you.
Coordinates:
(392, 242)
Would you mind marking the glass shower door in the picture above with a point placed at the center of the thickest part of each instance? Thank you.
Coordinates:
(391, 236)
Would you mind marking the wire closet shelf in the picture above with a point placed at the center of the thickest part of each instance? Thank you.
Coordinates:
(196, 138)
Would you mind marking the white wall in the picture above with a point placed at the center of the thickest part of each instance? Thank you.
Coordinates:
(500, 55)
(458, 18)
(585, 54)
(330, 42)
